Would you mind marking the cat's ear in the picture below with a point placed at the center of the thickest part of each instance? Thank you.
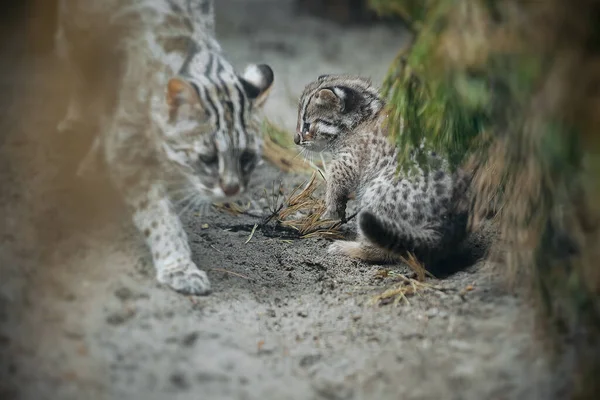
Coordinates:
(257, 81)
(182, 96)
(341, 98)
(181, 91)
(328, 97)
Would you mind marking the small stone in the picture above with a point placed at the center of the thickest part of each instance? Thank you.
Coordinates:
(204, 226)
(190, 339)
(302, 314)
(179, 380)
(432, 312)
(265, 348)
(309, 360)
(271, 313)
(120, 317)
(124, 294)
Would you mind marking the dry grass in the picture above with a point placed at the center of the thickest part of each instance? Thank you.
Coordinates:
(407, 287)
(302, 211)
(417, 267)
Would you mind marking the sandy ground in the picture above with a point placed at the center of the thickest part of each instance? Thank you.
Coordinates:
(81, 316)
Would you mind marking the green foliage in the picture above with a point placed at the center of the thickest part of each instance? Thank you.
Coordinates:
(434, 111)
(442, 108)
(449, 104)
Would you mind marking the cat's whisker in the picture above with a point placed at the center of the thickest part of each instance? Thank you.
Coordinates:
(204, 208)
(187, 207)
(179, 192)
(300, 153)
(323, 162)
(183, 209)
(196, 205)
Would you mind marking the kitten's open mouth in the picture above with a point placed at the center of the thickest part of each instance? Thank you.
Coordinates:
(301, 141)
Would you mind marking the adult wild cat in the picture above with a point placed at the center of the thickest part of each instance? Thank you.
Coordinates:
(168, 107)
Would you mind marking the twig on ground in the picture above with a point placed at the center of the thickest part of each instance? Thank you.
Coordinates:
(251, 233)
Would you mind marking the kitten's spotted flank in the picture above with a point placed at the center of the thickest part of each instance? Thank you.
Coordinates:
(171, 113)
(344, 115)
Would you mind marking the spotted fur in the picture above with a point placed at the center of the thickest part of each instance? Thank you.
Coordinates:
(171, 112)
(422, 213)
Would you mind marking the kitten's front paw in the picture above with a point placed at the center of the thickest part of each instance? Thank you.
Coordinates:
(336, 248)
(186, 279)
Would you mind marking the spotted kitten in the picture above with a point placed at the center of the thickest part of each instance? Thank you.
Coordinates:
(421, 213)
(169, 109)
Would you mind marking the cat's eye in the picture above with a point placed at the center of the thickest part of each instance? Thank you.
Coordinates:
(247, 160)
(305, 127)
(208, 159)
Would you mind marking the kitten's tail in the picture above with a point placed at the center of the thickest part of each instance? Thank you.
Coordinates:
(399, 237)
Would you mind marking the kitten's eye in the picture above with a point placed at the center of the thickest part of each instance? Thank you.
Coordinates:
(247, 160)
(305, 127)
(208, 159)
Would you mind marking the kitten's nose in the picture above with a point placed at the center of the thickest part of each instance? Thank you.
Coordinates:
(230, 189)
(297, 138)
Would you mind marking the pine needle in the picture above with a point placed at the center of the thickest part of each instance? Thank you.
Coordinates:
(251, 233)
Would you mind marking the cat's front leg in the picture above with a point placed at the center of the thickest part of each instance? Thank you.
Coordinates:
(338, 190)
(155, 217)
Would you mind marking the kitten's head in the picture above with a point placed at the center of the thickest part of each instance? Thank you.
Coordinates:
(212, 136)
(332, 107)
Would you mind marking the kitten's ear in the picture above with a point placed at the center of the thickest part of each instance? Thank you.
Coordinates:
(327, 97)
(181, 91)
(257, 81)
(321, 77)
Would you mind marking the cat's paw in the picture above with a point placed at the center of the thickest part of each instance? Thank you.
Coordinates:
(335, 248)
(186, 279)
(342, 248)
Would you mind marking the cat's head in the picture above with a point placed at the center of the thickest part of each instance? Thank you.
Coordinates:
(212, 136)
(331, 107)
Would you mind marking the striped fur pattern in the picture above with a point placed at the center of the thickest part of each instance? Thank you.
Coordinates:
(174, 119)
(423, 213)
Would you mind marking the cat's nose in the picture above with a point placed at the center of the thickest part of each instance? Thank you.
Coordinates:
(230, 189)
(297, 138)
